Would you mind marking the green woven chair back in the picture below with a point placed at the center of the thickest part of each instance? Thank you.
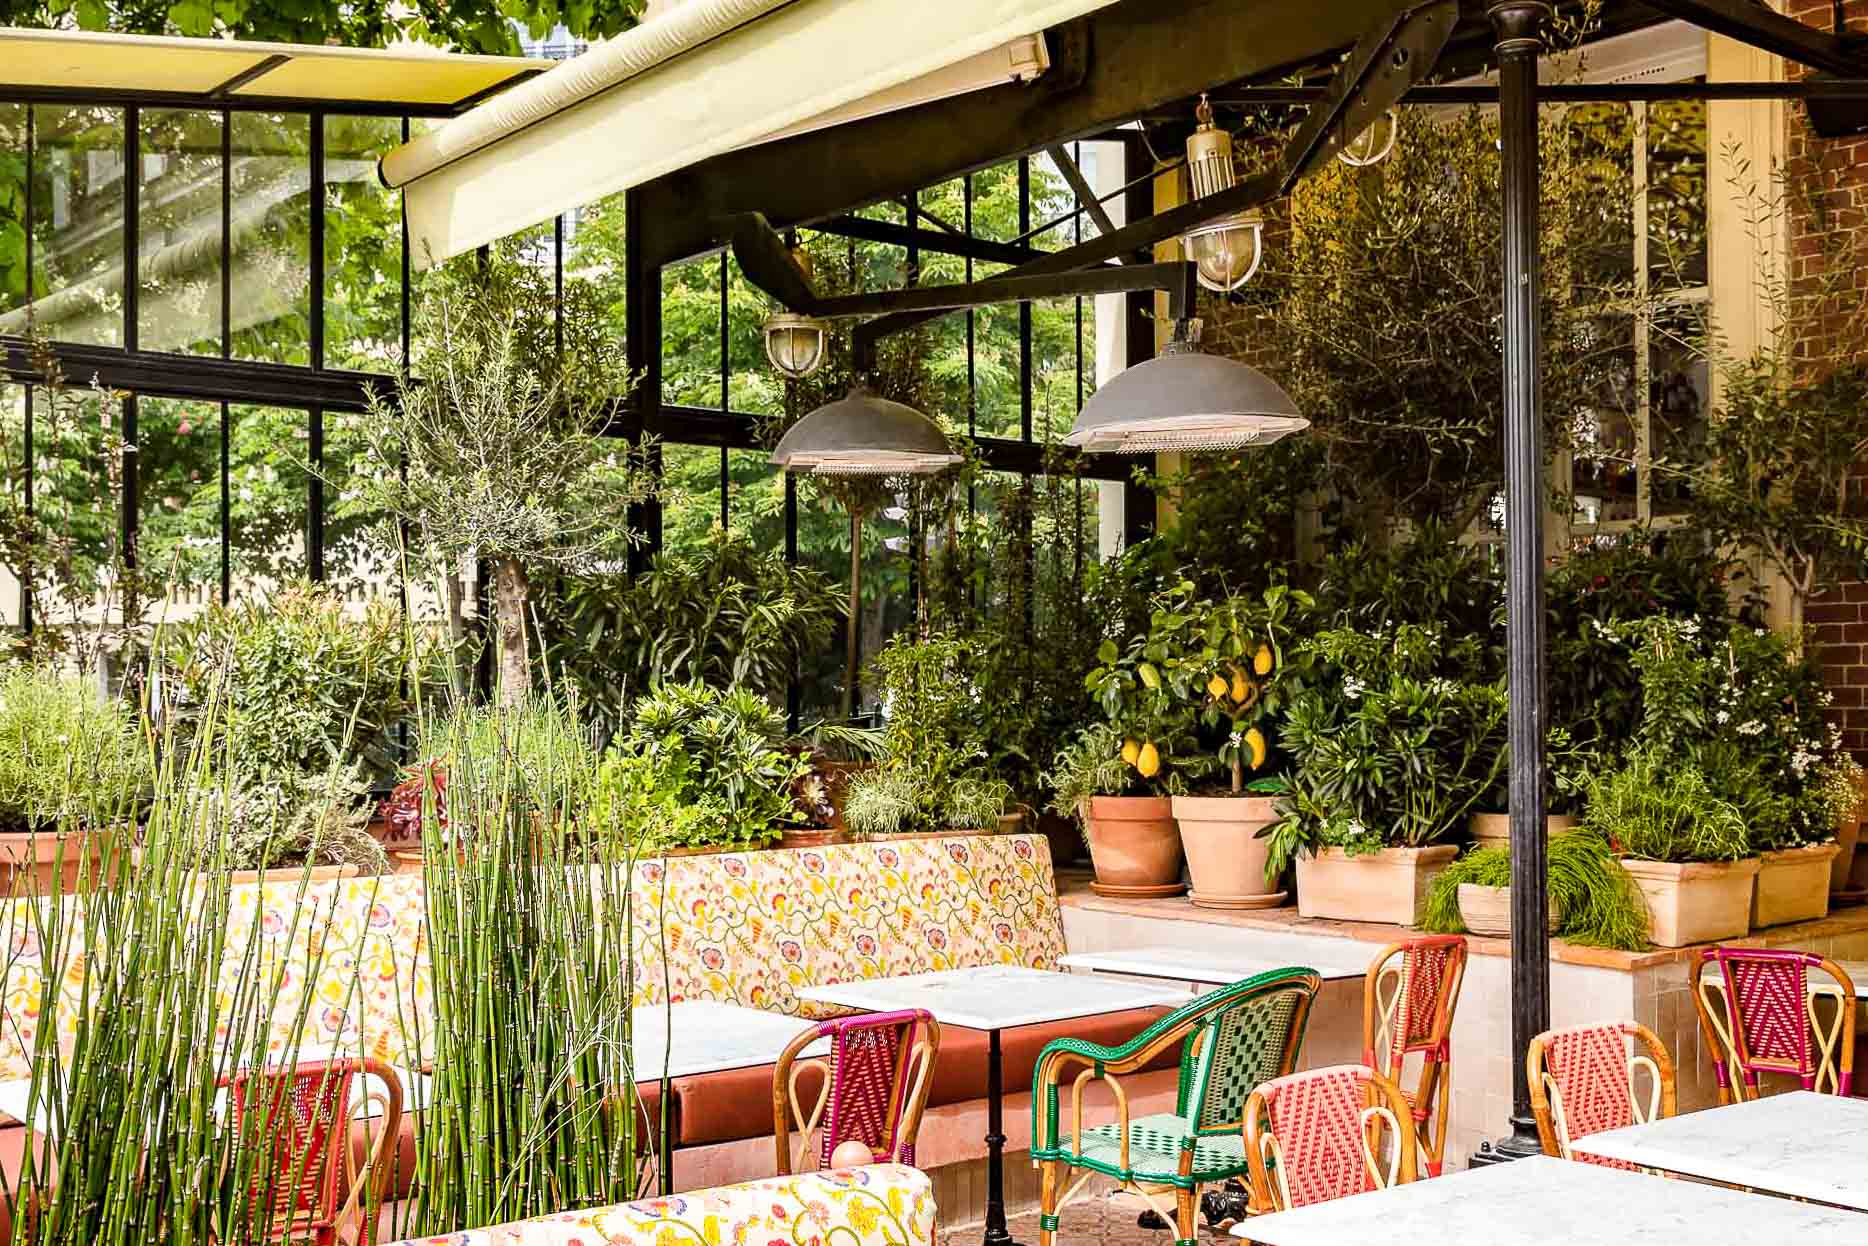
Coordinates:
(1249, 1040)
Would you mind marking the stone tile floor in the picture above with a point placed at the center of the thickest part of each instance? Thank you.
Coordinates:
(1096, 1220)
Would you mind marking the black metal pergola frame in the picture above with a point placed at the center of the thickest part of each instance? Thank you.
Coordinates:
(1133, 59)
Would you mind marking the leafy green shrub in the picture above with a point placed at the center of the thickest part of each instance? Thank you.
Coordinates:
(1663, 811)
(1390, 752)
(698, 766)
(1090, 765)
(294, 820)
(881, 802)
(68, 756)
(934, 773)
(298, 680)
(1600, 904)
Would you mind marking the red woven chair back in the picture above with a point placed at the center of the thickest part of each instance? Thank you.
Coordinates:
(1421, 1017)
(1321, 1135)
(301, 1133)
(1767, 994)
(876, 1085)
(1589, 1066)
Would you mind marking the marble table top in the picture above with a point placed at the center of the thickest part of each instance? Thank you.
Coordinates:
(693, 1036)
(998, 997)
(1799, 1144)
(1203, 965)
(1857, 970)
(1551, 1202)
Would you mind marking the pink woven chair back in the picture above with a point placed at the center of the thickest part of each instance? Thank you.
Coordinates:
(1589, 1066)
(871, 1063)
(1430, 968)
(1767, 999)
(303, 1126)
(1316, 1117)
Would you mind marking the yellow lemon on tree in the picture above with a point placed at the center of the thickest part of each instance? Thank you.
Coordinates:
(1131, 749)
(1149, 762)
(1255, 741)
(1261, 661)
(1240, 685)
(1216, 687)
(1150, 676)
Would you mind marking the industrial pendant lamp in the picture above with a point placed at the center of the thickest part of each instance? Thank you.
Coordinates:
(861, 434)
(1224, 252)
(796, 345)
(1374, 144)
(1185, 400)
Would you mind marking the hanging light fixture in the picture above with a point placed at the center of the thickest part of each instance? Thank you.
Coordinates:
(1225, 251)
(1185, 399)
(861, 434)
(1373, 145)
(796, 345)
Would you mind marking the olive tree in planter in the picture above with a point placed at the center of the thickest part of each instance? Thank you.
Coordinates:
(1395, 741)
(1234, 659)
(493, 445)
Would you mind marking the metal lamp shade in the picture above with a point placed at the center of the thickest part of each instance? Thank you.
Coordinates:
(863, 435)
(1185, 400)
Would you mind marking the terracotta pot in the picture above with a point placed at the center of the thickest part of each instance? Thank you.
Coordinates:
(1793, 885)
(1848, 834)
(1389, 885)
(1695, 901)
(1495, 828)
(1010, 824)
(1225, 856)
(1486, 911)
(1133, 842)
(1064, 837)
(812, 837)
(406, 861)
(289, 875)
(49, 863)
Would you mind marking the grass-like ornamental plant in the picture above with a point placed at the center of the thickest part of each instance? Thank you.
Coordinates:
(1659, 812)
(533, 1106)
(1600, 903)
(67, 754)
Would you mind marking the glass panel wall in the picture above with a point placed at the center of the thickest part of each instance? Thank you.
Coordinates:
(179, 208)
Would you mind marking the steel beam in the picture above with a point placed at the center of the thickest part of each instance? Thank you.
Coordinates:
(1080, 187)
(1750, 22)
(1108, 67)
(162, 375)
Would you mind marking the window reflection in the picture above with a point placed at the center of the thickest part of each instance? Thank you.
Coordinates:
(77, 226)
(270, 238)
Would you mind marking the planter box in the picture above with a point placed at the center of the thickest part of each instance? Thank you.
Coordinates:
(1486, 911)
(1695, 902)
(1134, 845)
(1495, 828)
(1848, 834)
(1224, 853)
(50, 863)
(1793, 885)
(1385, 886)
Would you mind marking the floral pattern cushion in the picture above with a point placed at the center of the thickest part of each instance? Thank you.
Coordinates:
(880, 1205)
(748, 928)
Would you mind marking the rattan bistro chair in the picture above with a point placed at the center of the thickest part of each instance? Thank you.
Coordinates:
(873, 1087)
(1764, 1019)
(1317, 1135)
(1583, 1081)
(1408, 998)
(1235, 1039)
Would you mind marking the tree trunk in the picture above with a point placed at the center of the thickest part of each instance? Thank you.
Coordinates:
(515, 666)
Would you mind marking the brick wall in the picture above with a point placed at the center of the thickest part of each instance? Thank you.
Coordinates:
(1839, 611)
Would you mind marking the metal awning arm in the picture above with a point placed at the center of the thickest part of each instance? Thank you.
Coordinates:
(1754, 24)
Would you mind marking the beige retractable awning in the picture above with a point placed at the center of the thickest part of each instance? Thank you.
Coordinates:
(707, 77)
(220, 69)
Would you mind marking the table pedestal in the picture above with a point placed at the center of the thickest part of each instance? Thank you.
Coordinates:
(997, 1234)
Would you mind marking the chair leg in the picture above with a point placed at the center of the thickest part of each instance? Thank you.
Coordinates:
(1183, 1217)
(1047, 1203)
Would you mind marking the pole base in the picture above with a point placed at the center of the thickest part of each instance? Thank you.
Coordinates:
(1521, 1143)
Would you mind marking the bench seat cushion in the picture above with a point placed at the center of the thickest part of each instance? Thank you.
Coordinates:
(737, 1103)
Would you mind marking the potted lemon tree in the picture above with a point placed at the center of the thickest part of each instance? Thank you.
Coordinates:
(1232, 659)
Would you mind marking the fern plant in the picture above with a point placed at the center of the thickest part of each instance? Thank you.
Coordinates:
(1600, 904)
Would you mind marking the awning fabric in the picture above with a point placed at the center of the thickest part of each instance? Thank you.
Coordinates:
(216, 69)
(708, 77)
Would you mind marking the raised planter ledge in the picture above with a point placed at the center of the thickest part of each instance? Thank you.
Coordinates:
(1074, 893)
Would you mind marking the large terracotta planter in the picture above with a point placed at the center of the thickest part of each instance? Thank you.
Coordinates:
(1134, 845)
(50, 863)
(1695, 901)
(1848, 835)
(1793, 885)
(1389, 885)
(1495, 828)
(1224, 853)
(290, 874)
